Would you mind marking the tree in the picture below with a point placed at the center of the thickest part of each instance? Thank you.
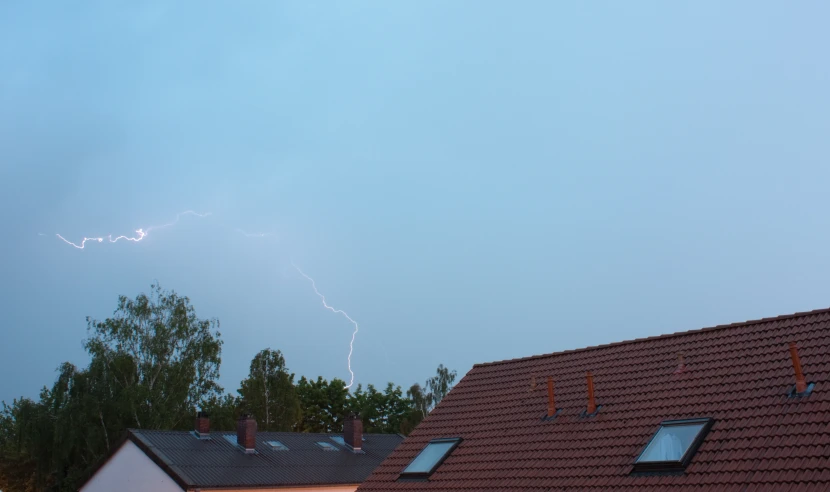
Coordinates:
(161, 358)
(439, 385)
(152, 364)
(324, 404)
(25, 437)
(224, 411)
(268, 392)
(422, 399)
(419, 406)
(381, 412)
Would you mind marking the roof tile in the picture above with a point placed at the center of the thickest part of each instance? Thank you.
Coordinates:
(738, 374)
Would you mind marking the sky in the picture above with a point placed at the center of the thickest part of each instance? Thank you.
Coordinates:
(470, 181)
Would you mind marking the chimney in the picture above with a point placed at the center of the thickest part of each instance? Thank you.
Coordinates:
(353, 431)
(202, 425)
(246, 432)
(681, 363)
(800, 382)
(592, 406)
(551, 402)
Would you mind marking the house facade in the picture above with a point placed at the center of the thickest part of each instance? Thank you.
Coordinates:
(201, 460)
(744, 406)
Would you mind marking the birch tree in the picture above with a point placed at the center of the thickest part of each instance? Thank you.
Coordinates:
(159, 356)
(268, 392)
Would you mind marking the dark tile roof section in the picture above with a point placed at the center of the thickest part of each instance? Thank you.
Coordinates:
(738, 374)
(218, 463)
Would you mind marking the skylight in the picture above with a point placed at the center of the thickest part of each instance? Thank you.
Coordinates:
(430, 458)
(231, 439)
(276, 445)
(327, 446)
(673, 446)
(339, 440)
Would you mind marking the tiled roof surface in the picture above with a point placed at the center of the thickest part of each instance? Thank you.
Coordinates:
(217, 463)
(738, 374)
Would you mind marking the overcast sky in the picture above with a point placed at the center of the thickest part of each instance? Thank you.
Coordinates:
(471, 181)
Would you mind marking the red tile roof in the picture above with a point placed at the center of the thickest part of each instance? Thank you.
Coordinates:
(738, 374)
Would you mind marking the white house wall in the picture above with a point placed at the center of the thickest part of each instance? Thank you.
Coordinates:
(130, 470)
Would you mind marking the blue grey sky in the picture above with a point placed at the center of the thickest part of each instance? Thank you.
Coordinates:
(471, 181)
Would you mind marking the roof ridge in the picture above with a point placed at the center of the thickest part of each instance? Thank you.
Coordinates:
(181, 431)
(654, 337)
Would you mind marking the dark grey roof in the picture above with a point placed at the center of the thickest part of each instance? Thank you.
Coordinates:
(216, 462)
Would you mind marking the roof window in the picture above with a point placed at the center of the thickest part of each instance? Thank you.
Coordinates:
(674, 444)
(276, 445)
(430, 458)
(327, 446)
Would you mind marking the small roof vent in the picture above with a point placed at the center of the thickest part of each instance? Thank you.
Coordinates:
(802, 387)
(592, 408)
(552, 410)
(681, 363)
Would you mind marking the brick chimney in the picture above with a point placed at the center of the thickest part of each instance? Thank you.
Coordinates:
(246, 432)
(353, 431)
(202, 425)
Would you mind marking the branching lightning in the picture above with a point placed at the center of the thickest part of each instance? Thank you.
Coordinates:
(140, 233)
(336, 311)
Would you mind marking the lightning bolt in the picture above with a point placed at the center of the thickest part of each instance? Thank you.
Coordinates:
(336, 311)
(140, 233)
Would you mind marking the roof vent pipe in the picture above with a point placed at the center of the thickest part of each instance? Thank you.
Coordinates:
(681, 363)
(551, 402)
(592, 406)
(800, 382)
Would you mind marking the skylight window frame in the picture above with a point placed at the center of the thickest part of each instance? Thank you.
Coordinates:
(276, 446)
(420, 476)
(683, 462)
(327, 446)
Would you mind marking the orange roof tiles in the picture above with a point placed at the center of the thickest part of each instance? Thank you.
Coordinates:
(738, 374)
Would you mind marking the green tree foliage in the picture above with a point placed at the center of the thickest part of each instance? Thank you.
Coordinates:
(439, 385)
(159, 356)
(25, 436)
(268, 393)
(152, 364)
(419, 407)
(381, 412)
(422, 399)
(324, 404)
(224, 411)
